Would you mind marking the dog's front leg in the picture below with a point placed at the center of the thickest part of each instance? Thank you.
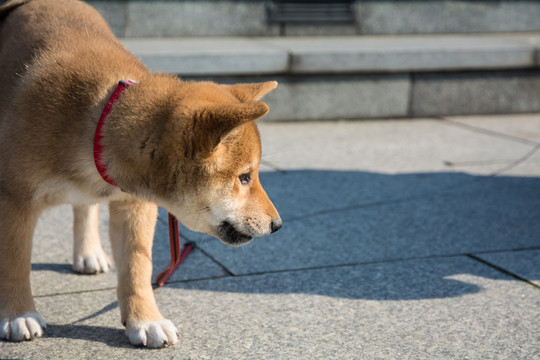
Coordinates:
(132, 231)
(18, 317)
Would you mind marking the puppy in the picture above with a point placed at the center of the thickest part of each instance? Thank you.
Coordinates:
(190, 147)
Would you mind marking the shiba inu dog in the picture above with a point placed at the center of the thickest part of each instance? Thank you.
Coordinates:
(190, 147)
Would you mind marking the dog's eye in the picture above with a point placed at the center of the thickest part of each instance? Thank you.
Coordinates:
(245, 178)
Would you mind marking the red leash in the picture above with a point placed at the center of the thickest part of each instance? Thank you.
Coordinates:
(177, 253)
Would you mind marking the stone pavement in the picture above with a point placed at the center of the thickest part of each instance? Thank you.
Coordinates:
(402, 239)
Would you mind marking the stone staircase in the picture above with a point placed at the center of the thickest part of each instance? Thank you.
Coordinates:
(399, 58)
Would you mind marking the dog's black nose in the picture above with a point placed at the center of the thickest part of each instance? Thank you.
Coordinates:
(276, 225)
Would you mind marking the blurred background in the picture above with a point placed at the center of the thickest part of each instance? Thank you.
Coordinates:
(347, 59)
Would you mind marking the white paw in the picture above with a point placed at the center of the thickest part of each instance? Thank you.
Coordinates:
(153, 334)
(26, 327)
(91, 263)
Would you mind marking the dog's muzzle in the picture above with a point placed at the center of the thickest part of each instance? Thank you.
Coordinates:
(229, 235)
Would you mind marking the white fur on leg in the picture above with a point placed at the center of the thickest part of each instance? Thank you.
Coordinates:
(92, 263)
(26, 327)
(153, 334)
(88, 255)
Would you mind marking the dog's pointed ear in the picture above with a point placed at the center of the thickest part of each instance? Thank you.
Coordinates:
(215, 122)
(251, 92)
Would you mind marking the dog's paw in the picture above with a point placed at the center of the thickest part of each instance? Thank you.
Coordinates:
(26, 327)
(91, 263)
(153, 334)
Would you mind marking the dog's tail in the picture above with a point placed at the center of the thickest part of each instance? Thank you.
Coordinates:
(7, 7)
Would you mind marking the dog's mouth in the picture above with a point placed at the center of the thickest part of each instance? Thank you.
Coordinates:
(229, 235)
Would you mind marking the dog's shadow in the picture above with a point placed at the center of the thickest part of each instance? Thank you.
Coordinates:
(58, 268)
(112, 337)
(364, 235)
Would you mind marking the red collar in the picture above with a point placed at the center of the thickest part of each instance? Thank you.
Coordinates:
(98, 138)
(178, 254)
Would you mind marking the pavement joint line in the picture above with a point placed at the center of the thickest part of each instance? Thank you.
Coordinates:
(386, 261)
(517, 162)
(74, 292)
(154, 286)
(529, 248)
(503, 270)
(492, 133)
(221, 265)
(322, 267)
(357, 206)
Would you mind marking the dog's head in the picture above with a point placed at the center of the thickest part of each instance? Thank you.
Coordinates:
(205, 170)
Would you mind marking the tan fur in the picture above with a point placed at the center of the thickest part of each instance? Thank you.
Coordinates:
(182, 145)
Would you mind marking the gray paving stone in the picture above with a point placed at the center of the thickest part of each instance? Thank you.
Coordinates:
(392, 146)
(52, 255)
(475, 93)
(54, 278)
(422, 309)
(374, 309)
(521, 126)
(525, 264)
(530, 167)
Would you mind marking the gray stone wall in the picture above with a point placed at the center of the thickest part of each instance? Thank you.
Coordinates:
(133, 18)
(319, 97)
(429, 17)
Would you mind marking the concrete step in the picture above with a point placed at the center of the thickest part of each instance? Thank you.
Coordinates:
(337, 55)
(323, 78)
